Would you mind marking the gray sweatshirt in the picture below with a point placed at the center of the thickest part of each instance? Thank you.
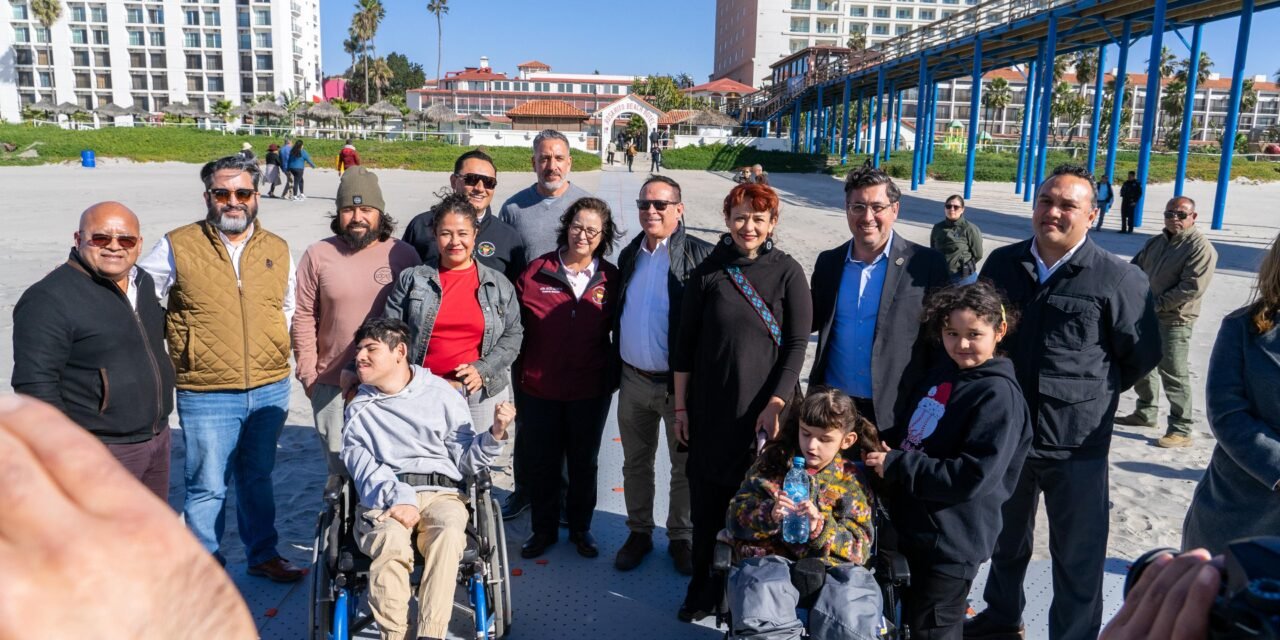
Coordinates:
(425, 428)
(537, 218)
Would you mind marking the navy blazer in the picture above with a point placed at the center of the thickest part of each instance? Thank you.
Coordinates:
(1084, 336)
(901, 353)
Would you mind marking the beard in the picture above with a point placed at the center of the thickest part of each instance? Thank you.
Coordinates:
(231, 225)
(359, 236)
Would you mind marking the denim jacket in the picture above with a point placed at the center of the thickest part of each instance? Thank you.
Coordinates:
(416, 300)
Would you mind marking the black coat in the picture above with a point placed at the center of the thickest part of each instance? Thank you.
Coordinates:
(498, 245)
(1130, 192)
(944, 495)
(686, 252)
(900, 354)
(79, 346)
(1084, 336)
(733, 363)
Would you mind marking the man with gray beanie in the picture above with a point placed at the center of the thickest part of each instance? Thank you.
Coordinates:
(343, 280)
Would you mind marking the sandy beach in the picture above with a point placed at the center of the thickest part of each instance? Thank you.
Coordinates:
(1150, 487)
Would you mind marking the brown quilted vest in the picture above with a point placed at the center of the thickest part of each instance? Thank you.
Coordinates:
(225, 335)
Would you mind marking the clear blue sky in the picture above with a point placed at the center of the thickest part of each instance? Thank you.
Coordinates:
(655, 36)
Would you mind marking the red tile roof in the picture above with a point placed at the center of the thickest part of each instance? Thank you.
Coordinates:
(472, 73)
(722, 85)
(675, 116)
(533, 64)
(548, 108)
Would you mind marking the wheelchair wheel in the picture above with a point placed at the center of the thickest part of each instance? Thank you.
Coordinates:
(505, 568)
(321, 613)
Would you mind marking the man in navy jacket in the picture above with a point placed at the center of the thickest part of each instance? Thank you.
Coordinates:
(1088, 331)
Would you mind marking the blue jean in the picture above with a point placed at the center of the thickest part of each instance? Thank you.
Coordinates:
(233, 434)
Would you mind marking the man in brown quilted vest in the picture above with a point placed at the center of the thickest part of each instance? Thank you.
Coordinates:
(230, 285)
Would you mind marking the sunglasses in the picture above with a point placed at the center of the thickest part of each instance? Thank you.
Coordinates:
(660, 205)
(472, 179)
(949, 207)
(1180, 215)
(103, 240)
(223, 196)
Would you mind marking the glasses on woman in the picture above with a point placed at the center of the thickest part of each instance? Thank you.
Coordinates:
(952, 207)
(588, 232)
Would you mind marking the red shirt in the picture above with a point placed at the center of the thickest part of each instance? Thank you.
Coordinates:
(459, 326)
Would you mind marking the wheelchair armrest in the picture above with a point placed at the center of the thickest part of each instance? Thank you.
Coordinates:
(722, 557)
(482, 481)
(333, 489)
(897, 571)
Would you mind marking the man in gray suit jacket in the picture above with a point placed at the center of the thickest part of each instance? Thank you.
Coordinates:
(867, 299)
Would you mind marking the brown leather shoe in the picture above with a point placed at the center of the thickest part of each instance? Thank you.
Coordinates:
(278, 570)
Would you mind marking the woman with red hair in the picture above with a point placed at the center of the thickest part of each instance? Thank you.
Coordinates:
(743, 330)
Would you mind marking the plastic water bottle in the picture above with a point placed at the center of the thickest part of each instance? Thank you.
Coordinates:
(795, 525)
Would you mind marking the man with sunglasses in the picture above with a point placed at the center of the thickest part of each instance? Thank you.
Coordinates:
(1179, 262)
(868, 294)
(654, 268)
(498, 246)
(230, 288)
(89, 339)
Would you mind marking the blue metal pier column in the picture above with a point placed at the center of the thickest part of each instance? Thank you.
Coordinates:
(857, 125)
(1117, 101)
(1151, 106)
(875, 142)
(888, 124)
(916, 155)
(1023, 137)
(1098, 86)
(975, 92)
(1233, 114)
(820, 123)
(1046, 97)
(1033, 123)
(897, 122)
(795, 127)
(844, 125)
(933, 124)
(1188, 110)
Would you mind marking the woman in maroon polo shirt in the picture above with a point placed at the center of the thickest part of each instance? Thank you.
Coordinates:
(567, 371)
(463, 317)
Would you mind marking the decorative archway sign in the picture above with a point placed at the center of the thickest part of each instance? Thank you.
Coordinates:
(631, 103)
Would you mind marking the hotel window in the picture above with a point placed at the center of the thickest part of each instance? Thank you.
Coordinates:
(195, 83)
(98, 13)
(904, 14)
(42, 35)
(857, 28)
(901, 29)
(21, 34)
(797, 45)
(155, 16)
(880, 30)
(82, 80)
(79, 36)
(77, 13)
(947, 14)
(26, 79)
(192, 17)
(22, 56)
(264, 62)
(194, 61)
(242, 19)
(46, 78)
(800, 5)
(102, 59)
(881, 12)
(212, 19)
(19, 12)
(542, 87)
(191, 39)
(213, 40)
(213, 62)
(133, 15)
(102, 80)
(800, 25)
(158, 61)
(159, 82)
(927, 14)
(262, 17)
(157, 38)
(857, 12)
(135, 38)
(214, 83)
(263, 40)
(137, 60)
(100, 36)
(266, 84)
(80, 58)
(563, 87)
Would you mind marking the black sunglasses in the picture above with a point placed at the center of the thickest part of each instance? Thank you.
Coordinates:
(660, 205)
(952, 206)
(1181, 215)
(472, 179)
(223, 196)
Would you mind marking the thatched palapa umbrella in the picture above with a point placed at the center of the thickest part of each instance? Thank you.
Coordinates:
(439, 113)
(111, 110)
(383, 109)
(324, 111)
(268, 109)
(707, 118)
(68, 108)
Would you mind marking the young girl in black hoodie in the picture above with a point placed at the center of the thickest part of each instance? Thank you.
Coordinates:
(949, 466)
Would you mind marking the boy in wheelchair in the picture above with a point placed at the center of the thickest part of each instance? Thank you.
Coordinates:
(408, 442)
(844, 599)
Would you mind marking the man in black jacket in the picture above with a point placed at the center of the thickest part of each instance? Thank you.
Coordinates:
(868, 294)
(1130, 194)
(1088, 331)
(654, 268)
(498, 245)
(89, 339)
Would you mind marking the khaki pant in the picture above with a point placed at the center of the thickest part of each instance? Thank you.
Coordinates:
(642, 404)
(1175, 375)
(441, 540)
(327, 406)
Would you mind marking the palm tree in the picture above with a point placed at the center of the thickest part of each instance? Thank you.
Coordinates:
(996, 97)
(1202, 73)
(48, 12)
(857, 41)
(364, 27)
(439, 8)
(1168, 62)
(1248, 97)
(352, 45)
(1086, 63)
(381, 75)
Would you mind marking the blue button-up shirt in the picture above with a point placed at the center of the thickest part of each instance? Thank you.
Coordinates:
(853, 331)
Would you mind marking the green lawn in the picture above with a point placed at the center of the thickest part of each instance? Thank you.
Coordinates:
(187, 144)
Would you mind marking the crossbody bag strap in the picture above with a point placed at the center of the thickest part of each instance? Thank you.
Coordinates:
(749, 292)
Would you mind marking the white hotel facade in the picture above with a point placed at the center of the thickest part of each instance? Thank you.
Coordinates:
(753, 34)
(152, 53)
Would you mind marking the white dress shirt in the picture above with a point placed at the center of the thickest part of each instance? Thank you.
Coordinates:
(1043, 271)
(160, 264)
(579, 279)
(646, 311)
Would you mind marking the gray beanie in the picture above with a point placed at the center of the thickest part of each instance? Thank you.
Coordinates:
(359, 186)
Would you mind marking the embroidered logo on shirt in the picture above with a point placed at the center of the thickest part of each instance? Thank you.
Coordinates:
(486, 249)
(597, 296)
(924, 421)
(382, 275)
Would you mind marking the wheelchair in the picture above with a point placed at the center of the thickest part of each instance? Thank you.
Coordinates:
(340, 573)
(890, 569)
